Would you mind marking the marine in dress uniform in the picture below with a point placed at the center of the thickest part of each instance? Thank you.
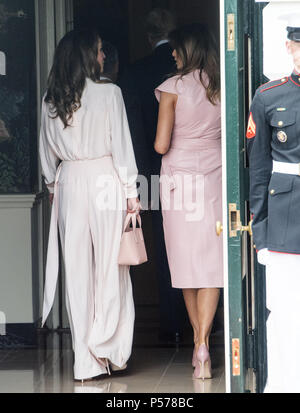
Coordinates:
(273, 138)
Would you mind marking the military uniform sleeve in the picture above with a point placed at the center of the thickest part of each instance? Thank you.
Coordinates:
(122, 148)
(260, 164)
(49, 160)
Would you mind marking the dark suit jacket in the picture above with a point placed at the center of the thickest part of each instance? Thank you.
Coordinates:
(138, 83)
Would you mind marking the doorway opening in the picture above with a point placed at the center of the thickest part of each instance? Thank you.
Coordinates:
(122, 24)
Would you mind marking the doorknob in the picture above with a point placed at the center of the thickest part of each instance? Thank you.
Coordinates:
(242, 228)
(235, 224)
(247, 228)
(219, 228)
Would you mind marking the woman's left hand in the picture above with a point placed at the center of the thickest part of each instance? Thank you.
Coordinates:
(51, 196)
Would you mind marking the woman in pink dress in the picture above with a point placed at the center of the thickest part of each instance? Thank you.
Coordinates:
(189, 137)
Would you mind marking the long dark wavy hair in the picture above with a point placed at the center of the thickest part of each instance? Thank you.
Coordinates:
(197, 50)
(75, 60)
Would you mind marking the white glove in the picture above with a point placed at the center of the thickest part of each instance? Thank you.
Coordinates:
(263, 256)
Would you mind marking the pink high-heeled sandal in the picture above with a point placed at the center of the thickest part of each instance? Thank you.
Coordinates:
(203, 367)
(194, 359)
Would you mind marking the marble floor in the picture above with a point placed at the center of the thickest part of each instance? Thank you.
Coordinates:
(151, 369)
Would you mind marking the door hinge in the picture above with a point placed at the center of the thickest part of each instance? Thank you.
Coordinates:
(236, 357)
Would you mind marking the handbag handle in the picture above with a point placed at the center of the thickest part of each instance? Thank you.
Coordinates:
(133, 217)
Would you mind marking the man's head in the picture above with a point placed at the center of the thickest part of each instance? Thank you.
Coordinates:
(159, 23)
(293, 42)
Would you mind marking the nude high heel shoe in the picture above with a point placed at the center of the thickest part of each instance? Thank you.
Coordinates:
(116, 368)
(105, 363)
(203, 367)
(82, 381)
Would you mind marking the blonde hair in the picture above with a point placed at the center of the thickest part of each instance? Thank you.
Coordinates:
(197, 50)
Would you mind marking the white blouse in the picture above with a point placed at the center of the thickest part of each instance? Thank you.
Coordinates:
(99, 128)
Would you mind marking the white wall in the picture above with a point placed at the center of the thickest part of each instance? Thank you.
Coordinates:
(277, 62)
(16, 300)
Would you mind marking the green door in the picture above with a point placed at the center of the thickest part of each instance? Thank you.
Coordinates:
(245, 287)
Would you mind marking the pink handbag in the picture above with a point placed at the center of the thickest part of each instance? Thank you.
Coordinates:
(132, 248)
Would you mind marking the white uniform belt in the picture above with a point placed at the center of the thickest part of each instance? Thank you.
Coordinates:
(286, 168)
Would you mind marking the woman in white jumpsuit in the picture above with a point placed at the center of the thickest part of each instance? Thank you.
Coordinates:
(84, 125)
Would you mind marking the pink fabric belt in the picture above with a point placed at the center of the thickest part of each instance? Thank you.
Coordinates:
(52, 265)
(196, 144)
(192, 145)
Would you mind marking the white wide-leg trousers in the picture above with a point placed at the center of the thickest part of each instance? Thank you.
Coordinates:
(283, 324)
(98, 291)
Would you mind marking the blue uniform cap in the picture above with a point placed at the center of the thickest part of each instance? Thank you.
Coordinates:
(293, 25)
(293, 33)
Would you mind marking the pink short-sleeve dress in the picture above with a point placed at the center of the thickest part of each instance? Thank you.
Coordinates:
(191, 186)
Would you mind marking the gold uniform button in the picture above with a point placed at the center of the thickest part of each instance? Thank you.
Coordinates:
(280, 123)
(272, 192)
